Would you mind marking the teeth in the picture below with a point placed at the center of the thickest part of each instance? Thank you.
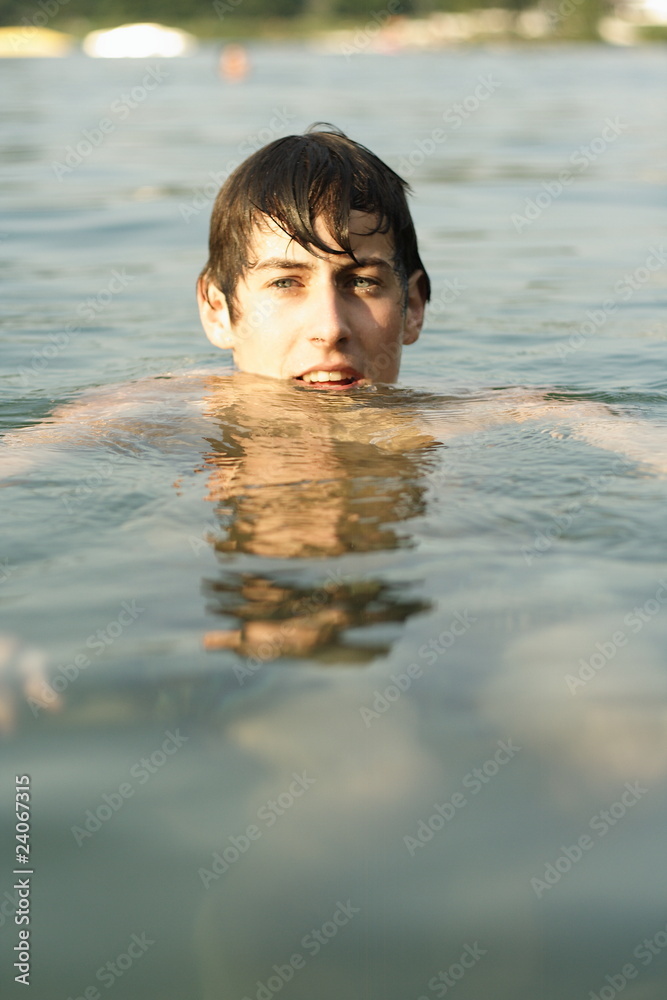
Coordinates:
(324, 377)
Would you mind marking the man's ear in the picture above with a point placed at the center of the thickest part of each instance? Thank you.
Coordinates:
(214, 314)
(414, 314)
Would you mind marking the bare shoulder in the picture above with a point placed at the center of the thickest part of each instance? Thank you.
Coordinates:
(110, 401)
(564, 415)
(111, 414)
(99, 407)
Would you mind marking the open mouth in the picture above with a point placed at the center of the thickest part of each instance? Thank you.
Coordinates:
(333, 380)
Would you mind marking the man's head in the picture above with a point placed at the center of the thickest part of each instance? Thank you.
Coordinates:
(313, 264)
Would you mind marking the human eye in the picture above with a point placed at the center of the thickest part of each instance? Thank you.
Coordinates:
(363, 281)
(283, 283)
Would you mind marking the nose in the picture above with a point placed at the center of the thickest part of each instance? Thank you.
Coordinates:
(328, 321)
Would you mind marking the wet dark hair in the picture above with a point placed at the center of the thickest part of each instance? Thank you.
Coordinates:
(295, 180)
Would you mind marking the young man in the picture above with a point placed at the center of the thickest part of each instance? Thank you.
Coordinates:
(314, 275)
(314, 280)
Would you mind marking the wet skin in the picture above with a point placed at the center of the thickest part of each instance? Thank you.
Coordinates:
(301, 317)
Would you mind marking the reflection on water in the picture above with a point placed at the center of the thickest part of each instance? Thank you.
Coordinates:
(279, 619)
(300, 475)
(357, 830)
(321, 533)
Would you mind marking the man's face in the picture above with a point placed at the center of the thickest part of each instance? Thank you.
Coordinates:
(323, 321)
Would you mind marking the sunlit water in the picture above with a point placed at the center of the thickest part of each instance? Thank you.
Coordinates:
(290, 627)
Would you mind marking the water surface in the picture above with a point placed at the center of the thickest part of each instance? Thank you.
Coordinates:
(381, 676)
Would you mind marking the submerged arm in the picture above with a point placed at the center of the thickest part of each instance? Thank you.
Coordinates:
(635, 438)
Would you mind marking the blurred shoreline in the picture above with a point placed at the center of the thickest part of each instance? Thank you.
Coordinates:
(381, 31)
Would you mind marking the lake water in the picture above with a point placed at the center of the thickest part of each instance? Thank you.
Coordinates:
(334, 709)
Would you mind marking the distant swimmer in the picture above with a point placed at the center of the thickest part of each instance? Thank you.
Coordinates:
(234, 64)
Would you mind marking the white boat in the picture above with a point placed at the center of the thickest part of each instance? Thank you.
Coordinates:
(139, 41)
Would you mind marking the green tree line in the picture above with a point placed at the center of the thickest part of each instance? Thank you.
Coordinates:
(60, 13)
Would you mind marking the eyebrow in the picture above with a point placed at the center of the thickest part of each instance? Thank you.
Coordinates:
(285, 264)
